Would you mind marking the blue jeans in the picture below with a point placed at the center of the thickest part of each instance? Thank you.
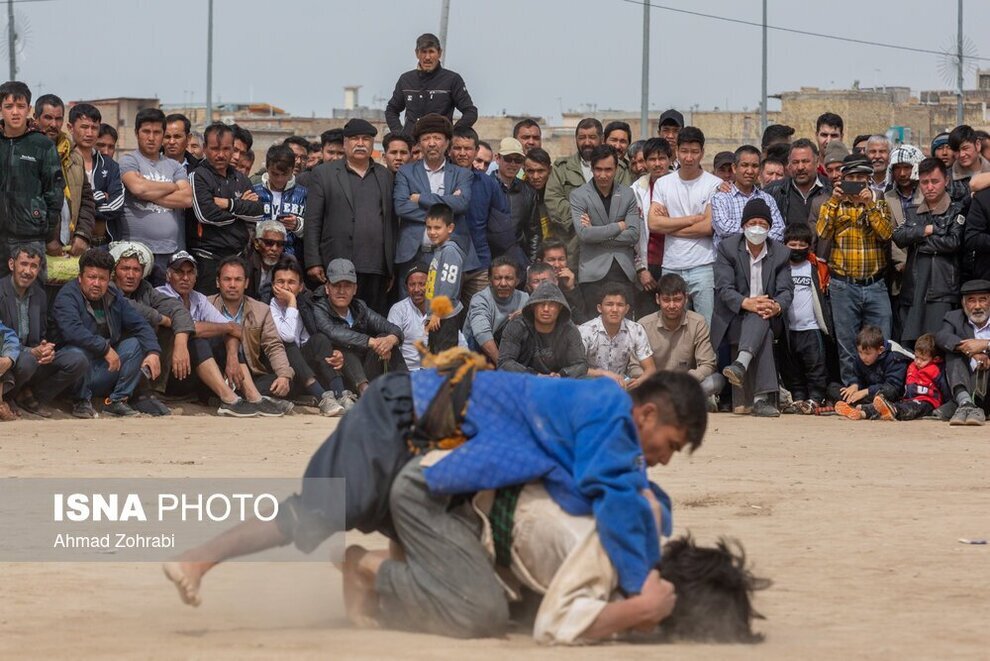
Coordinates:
(701, 288)
(855, 306)
(116, 386)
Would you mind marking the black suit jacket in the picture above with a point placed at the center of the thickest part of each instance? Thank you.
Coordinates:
(955, 329)
(330, 216)
(732, 281)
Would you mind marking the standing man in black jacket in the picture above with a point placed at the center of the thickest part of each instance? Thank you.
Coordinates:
(429, 88)
(349, 215)
(224, 208)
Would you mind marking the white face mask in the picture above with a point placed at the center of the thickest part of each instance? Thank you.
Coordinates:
(756, 235)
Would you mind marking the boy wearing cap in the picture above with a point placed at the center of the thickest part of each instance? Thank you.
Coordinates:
(369, 342)
(427, 89)
(860, 227)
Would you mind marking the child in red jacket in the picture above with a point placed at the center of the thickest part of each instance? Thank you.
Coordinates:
(924, 389)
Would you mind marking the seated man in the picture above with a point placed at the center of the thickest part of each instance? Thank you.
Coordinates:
(516, 422)
(538, 273)
(615, 346)
(224, 340)
(554, 253)
(93, 319)
(965, 339)
(542, 340)
(753, 288)
(263, 351)
(411, 315)
(184, 341)
(312, 357)
(369, 341)
(679, 337)
(10, 348)
(491, 308)
(266, 249)
(40, 372)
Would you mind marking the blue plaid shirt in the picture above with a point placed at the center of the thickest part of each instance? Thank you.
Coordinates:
(727, 209)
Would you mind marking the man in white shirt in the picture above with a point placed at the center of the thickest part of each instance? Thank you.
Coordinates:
(678, 211)
(311, 356)
(617, 347)
(411, 314)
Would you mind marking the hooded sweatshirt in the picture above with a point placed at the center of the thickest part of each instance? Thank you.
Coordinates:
(524, 349)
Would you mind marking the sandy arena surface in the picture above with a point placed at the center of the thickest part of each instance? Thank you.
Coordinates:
(856, 523)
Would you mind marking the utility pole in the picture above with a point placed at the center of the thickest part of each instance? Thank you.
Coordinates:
(11, 40)
(763, 103)
(209, 65)
(959, 67)
(644, 102)
(444, 15)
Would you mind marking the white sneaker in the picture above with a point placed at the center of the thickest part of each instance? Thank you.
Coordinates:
(329, 406)
(347, 399)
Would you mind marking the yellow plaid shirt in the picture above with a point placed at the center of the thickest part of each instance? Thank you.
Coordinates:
(859, 233)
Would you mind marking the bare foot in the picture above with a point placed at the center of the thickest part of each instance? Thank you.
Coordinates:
(359, 595)
(186, 576)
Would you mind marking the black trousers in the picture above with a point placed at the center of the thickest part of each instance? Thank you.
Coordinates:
(906, 409)
(373, 290)
(594, 291)
(206, 274)
(444, 337)
(309, 362)
(802, 365)
(363, 366)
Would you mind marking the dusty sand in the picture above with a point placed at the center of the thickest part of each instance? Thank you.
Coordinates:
(856, 523)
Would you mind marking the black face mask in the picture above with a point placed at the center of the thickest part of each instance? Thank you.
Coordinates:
(799, 254)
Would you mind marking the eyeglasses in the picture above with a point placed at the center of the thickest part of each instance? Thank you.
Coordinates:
(515, 160)
(272, 243)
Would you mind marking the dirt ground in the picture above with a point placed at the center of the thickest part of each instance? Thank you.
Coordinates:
(856, 523)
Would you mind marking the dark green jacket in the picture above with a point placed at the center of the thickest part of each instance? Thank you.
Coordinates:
(31, 187)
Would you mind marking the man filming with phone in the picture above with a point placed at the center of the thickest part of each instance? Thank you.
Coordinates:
(858, 223)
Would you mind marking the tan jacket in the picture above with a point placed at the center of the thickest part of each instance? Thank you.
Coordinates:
(260, 334)
(687, 349)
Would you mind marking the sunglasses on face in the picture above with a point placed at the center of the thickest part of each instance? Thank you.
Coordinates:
(272, 243)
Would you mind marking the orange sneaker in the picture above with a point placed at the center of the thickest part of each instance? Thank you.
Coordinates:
(847, 410)
(884, 408)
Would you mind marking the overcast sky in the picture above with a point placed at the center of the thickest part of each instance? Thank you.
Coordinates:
(518, 56)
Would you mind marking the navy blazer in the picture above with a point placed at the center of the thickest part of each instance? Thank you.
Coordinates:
(411, 178)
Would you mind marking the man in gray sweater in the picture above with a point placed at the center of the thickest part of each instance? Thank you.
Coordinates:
(492, 307)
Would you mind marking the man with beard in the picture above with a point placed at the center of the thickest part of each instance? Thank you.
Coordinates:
(492, 308)
(300, 153)
(102, 173)
(931, 235)
(527, 132)
(71, 235)
(267, 248)
(794, 193)
(349, 215)
(637, 163)
(429, 89)
(106, 141)
(569, 174)
(965, 339)
(543, 340)
(188, 356)
(433, 180)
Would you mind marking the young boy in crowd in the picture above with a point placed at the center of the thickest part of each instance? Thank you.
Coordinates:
(924, 389)
(802, 358)
(284, 199)
(880, 369)
(443, 279)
